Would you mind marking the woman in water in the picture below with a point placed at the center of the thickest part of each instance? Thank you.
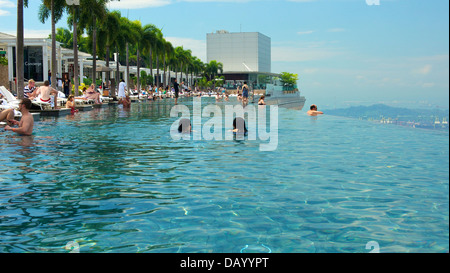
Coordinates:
(71, 104)
(261, 100)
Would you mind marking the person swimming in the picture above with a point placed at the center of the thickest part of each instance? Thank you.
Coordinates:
(239, 126)
(184, 126)
(313, 111)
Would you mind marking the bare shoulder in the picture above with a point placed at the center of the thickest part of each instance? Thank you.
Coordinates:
(28, 119)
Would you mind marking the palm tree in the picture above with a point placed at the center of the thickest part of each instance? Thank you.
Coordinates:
(184, 59)
(196, 68)
(159, 49)
(150, 33)
(168, 52)
(126, 35)
(92, 12)
(108, 33)
(19, 48)
(139, 42)
(73, 20)
(213, 69)
(56, 8)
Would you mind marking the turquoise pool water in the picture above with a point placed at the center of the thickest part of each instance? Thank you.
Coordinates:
(112, 180)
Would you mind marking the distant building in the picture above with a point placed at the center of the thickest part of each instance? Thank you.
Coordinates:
(37, 56)
(246, 56)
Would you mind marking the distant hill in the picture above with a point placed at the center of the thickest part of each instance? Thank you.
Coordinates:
(377, 111)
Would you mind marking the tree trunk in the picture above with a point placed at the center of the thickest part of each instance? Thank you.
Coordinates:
(108, 73)
(75, 53)
(151, 64)
(117, 73)
(94, 52)
(157, 71)
(164, 77)
(128, 69)
(19, 50)
(138, 72)
(181, 73)
(54, 68)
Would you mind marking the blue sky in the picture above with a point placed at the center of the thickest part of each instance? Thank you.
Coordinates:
(346, 52)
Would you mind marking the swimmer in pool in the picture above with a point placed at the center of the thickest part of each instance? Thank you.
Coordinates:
(239, 126)
(313, 111)
(185, 126)
(26, 122)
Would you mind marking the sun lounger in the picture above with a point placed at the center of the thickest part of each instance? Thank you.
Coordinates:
(8, 96)
(84, 101)
(13, 101)
(17, 114)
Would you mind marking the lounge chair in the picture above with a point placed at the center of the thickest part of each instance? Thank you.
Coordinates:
(5, 105)
(13, 101)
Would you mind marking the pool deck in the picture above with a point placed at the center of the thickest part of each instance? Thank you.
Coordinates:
(83, 108)
(103, 105)
(52, 112)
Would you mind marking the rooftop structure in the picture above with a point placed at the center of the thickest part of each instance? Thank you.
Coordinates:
(246, 56)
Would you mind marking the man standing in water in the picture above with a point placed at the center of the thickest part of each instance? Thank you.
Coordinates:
(122, 87)
(26, 123)
(245, 91)
(177, 90)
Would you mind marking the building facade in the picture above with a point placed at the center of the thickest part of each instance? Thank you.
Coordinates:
(245, 56)
(239, 52)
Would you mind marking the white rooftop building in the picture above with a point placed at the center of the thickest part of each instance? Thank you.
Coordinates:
(246, 56)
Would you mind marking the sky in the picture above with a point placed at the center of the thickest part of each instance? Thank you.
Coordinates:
(346, 52)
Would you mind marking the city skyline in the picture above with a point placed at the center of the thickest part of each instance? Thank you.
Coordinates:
(345, 52)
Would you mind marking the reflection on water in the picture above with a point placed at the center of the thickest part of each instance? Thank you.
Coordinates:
(113, 180)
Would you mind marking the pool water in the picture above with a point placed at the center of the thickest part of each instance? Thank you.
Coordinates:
(114, 180)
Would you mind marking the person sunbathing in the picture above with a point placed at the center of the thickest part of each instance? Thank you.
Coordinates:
(43, 93)
(7, 115)
(93, 95)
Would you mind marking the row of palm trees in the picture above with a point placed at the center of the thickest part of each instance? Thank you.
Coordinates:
(109, 32)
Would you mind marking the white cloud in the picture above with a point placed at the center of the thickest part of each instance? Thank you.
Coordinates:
(198, 47)
(4, 12)
(32, 33)
(336, 30)
(428, 85)
(305, 32)
(300, 54)
(7, 4)
(138, 4)
(424, 70)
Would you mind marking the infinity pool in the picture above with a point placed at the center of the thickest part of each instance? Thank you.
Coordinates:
(114, 180)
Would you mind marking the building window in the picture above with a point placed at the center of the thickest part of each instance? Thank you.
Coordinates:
(33, 63)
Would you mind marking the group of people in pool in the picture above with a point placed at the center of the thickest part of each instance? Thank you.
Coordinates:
(26, 124)
(239, 126)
